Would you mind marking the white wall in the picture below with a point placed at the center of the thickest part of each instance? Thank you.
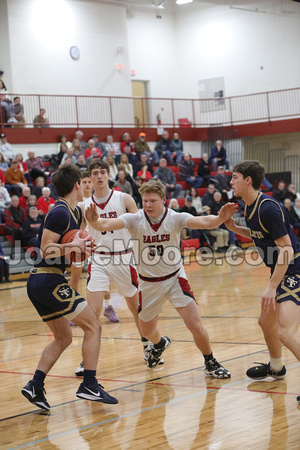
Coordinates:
(189, 43)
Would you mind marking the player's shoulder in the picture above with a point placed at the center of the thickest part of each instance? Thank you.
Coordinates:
(268, 203)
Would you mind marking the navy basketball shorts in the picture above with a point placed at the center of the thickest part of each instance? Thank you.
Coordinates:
(53, 297)
(289, 289)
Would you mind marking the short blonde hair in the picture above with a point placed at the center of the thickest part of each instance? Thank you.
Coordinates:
(153, 187)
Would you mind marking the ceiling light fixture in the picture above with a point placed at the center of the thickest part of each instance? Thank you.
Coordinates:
(183, 2)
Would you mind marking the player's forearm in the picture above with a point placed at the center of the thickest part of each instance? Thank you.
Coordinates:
(284, 258)
(204, 222)
(54, 250)
(242, 231)
(107, 224)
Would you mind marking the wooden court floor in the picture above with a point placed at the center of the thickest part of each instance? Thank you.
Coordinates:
(173, 408)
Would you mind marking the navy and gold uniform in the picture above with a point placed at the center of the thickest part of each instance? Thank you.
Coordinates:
(268, 221)
(47, 288)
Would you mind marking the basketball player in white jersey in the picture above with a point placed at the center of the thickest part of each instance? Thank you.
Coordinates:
(156, 230)
(113, 258)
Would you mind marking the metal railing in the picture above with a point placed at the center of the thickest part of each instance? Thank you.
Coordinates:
(88, 111)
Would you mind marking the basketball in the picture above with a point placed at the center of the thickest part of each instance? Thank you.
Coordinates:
(67, 238)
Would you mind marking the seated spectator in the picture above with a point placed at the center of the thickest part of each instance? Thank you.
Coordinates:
(5, 200)
(132, 159)
(124, 161)
(127, 175)
(111, 152)
(7, 109)
(6, 148)
(293, 217)
(208, 197)
(2, 178)
(68, 161)
(144, 159)
(216, 206)
(79, 135)
(218, 156)
(186, 172)
(4, 268)
(187, 233)
(35, 166)
(122, 183)
(58, 158)
(23, 167)
(203, 170)
(144, 173)
(196, 200)
(81, 163)
(69, 154)
(24, 197)
(142, 147)
(31, 227)
(45, 200)
(32, 201)
(113, 170)
(94, 155)
(63, 140)
(164, 149)
(221, 182)
(77, 149)
(98, 144)
(136, 194)
(167, 177)
(14, 218)
(15, 178)
(111, 145)
(291, 192)
(126, 141)
(280, 193)
(297, 207)
(39, 184)
(41, 121)
(174, 205)
(18, 111)
(53, 191)
(178, 148)
(221, 234)
(3, 164)
(91, 145)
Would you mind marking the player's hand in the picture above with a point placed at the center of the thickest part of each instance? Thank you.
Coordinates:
(83, 245)
(230, 224)
(227, 211)
(91, 213)
(268, 300)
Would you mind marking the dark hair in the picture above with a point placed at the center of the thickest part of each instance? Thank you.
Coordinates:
(15, 98)
(252, 169)
(64, 179)
(61, 136)
(98, 164)
(190, 194)
(85, 174)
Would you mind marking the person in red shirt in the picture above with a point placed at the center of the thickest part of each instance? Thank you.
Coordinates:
(126, 141)
(144, 173)
(91, 144)
(45, 200)
(23, 167)
(24, 197)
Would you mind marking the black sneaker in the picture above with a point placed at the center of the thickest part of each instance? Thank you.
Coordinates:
(35, 396)
(95, 393)
(214, 369)
(263, 371)
(298, 399)
(155, 358)
(146, 348)
(79, 372)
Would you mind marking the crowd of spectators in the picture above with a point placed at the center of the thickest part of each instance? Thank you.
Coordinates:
(27, 194)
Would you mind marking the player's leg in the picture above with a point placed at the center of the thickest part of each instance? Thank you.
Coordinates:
(191, 317)
(133, 306)
(274, 368)
(34, 389)
(89, 388)
(288, 324)
(158, 342)
(109, 311)
(76, 271)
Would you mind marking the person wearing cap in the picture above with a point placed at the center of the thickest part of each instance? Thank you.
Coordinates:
(5, 148)
(14, 177)
(142, 147)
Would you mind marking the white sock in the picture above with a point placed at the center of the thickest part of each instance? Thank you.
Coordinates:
(276, 364)
(107, 303)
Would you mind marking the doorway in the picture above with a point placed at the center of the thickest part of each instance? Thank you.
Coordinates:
(140, 89)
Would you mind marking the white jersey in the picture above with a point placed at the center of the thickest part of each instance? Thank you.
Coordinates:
(109, 241)
(156, 246)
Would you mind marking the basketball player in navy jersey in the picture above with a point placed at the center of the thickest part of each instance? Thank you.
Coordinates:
(268, 226)
(156, 232)
(55, 300)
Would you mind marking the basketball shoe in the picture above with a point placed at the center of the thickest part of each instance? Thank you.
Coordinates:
(298, 399)
(110, 314)
(95, 393)
(35, 396)
(147, 345)
(154, 357)
(80, 370)
(263, 371)
(214, 369)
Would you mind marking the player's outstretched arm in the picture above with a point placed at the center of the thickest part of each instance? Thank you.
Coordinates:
(242, 231)
(92, 217)
(210, 222)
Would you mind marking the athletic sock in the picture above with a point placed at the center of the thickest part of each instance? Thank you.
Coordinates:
(160, 345)
(144, 340)
(208, 358)
(89, 377)
(106, 303)
(38, 379)
(276, 364)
